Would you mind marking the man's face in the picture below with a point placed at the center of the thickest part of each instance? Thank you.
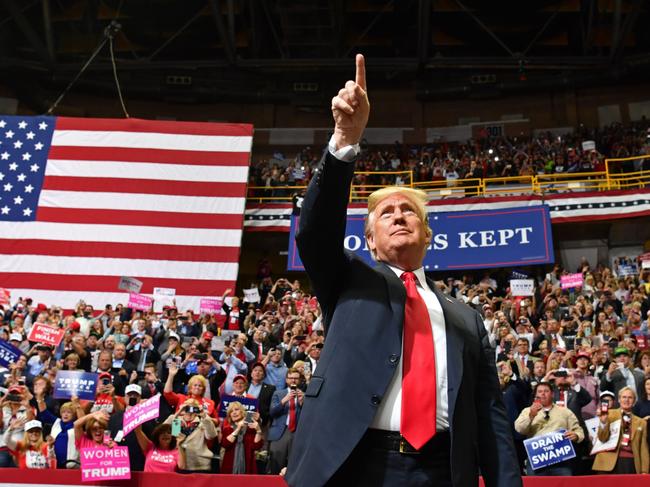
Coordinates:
(553, 326)
(105, 361)
(626, 400)
(397, 233)
(257, 374)
(543, 395)
(522, 347)
(120, 351)
(539, 368)
(239, 386)
(150, 375)
(276, 356)
(203, 368)
(315, 353)
(582, 362)
(623, 359)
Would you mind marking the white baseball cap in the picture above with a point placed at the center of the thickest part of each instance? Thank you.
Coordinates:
(133, 388)
(16, 336)
(34, 423)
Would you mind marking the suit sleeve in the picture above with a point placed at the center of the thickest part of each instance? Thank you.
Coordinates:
(322, 226)
(497, 455)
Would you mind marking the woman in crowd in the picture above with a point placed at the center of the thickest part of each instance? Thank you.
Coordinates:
(33, 451)
(161, 452)
(67, 455)
(631, 453)
(89, 430)
(196, 429)
(643, 363)
(15, 405)
(642, 406)
(241, 439)
(195, 390)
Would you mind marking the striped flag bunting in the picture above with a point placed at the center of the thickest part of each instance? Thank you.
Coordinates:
(564, 207)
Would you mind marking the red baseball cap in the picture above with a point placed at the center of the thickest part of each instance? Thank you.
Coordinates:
(208, 335)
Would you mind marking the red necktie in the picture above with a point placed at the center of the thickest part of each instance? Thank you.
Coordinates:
(292, 415)
(418, 420)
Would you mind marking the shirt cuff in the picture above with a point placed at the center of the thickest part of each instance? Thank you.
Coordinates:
(346, 154)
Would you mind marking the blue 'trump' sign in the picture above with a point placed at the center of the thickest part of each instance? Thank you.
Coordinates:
(548, 449)
(8, 353)
(465, 240)
(70, 383)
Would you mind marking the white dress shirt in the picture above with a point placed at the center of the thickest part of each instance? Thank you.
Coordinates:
(390, 410)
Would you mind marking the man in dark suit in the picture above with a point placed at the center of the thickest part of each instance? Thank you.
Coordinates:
(261, 391)
(286, 405)
(406, 389)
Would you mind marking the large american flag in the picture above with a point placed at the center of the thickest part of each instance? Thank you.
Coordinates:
(86, 201)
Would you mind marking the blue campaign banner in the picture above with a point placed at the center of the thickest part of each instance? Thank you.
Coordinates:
(8, 353)
(249, 403)
(465, 240)
(70, 383)
(548, 449)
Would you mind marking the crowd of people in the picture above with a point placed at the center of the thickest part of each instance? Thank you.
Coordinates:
(232, 384)
(485, 157)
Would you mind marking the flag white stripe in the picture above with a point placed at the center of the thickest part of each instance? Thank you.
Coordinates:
(82, 232)
(141, 202)
(151, 140)
(145, 170)
(267, 223)
(607, 210)
(99, 266)
(268, 211)
(69, 300)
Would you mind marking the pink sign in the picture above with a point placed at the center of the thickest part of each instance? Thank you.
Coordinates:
(571, 280)
(5, 295)
(143, 412)
(140, 301)
(210, 305)
(49, 335)
(104, 463)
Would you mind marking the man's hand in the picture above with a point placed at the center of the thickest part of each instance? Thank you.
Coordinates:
(535, 408)
(350, 108)
(173, 369)
(570, 435)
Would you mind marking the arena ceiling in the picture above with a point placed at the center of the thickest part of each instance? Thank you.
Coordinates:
(196, 51)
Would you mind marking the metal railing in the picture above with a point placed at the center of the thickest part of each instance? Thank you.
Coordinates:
(516, 185)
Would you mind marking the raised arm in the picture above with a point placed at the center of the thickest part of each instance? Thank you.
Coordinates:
(323, 213)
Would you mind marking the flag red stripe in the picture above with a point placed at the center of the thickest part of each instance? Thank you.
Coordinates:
(145, 186)
(119, 250)
(146, 218)
(161, 156)
(153, 126)
(58, 282)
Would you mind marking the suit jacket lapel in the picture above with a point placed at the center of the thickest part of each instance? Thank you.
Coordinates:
(396, 292)
(455, 347)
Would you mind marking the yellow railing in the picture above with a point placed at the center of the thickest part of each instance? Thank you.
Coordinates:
(610, 179)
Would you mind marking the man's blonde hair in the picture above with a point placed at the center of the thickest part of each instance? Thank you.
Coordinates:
(417, 196)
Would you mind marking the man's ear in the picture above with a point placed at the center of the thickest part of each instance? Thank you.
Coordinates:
(371, 242)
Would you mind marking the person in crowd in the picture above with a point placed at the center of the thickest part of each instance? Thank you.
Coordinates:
(588, 382)
(142, 352)
(631, 453)
(642, 406)
(621, 374)
(90, 430)
(32, 451)
(196, 388)
(133, 396)
(106, 397)
(15, 406)
(232, 364)
(234, 315)
(162, 454)
(545, 417)
(242, 438)
(276, 369)
(67, 455)
(196, 430)
(286, 406)
(261, 391)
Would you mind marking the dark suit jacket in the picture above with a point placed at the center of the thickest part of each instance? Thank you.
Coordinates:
(364, 305)
(279, 413)
(264, 401)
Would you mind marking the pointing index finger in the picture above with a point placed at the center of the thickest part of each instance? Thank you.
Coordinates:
(361, 71)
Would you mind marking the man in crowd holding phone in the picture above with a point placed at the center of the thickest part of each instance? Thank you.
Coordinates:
(621, 373)
(544, 417)
(276, 369)
(286, 405)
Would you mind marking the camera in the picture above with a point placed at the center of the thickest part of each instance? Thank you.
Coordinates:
(14, 398)
(249, 417)
(192, 409)
(201, 356)
(106, 381)
(604, 407)
(560, 373)
(293, 387)
(319, 346)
